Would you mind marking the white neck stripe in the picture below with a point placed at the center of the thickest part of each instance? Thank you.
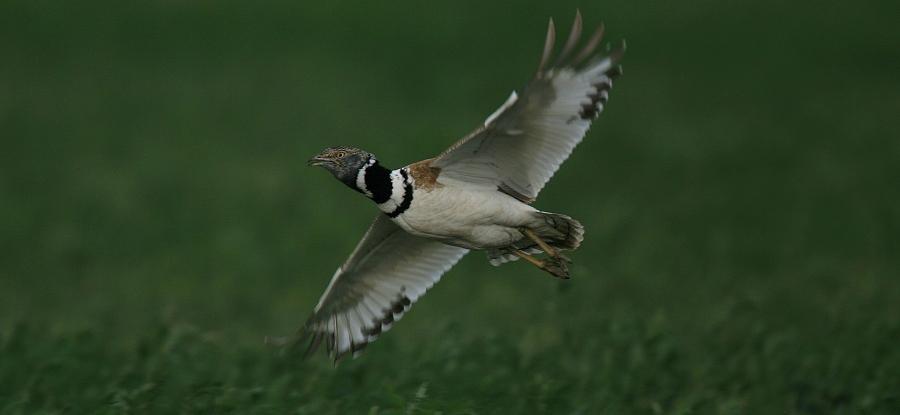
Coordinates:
(361, 178)
(398, 191)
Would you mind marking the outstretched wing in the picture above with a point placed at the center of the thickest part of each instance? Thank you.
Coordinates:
(523, 143)
(387, 272)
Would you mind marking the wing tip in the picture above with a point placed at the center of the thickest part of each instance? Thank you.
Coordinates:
(574, 36)
(616, 53)
(591, 44)
(549, 41)
(584, 53)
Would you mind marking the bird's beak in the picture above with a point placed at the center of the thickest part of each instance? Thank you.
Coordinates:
(317, 161)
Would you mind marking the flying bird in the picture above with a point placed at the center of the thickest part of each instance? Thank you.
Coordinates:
(476, 195)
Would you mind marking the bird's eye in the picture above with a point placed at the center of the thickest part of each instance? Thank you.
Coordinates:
(340, 154)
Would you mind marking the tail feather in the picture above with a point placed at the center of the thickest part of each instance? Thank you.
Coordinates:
(560, 231)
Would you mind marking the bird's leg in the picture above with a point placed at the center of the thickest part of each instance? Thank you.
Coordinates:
(544, 245)
(554, 266)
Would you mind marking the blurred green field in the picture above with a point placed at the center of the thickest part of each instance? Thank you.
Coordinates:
(741, 195)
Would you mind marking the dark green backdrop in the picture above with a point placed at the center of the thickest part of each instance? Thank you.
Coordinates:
(741, 195)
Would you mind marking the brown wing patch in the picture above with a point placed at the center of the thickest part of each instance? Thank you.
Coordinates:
(424, 174)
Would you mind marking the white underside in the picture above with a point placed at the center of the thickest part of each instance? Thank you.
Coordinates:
(471, 217)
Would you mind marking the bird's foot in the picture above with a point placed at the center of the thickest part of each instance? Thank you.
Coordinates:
(556, 266)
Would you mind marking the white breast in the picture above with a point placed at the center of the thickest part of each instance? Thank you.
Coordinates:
(463, 216)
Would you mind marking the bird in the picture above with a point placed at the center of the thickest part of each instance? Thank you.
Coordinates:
(477, 195)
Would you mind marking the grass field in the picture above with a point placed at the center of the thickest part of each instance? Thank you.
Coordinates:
(157, 220)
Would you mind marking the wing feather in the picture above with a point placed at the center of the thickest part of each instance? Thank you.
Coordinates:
(525, 141)
(572, 41)
(387, 272)
(548, 45)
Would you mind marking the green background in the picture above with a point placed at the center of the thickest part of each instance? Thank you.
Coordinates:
(741, 195)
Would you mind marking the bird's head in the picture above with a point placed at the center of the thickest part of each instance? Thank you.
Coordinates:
(343, 162)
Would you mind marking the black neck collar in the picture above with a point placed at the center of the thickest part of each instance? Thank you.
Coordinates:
(376, 182)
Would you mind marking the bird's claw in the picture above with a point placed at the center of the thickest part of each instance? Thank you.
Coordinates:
(557, 267)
